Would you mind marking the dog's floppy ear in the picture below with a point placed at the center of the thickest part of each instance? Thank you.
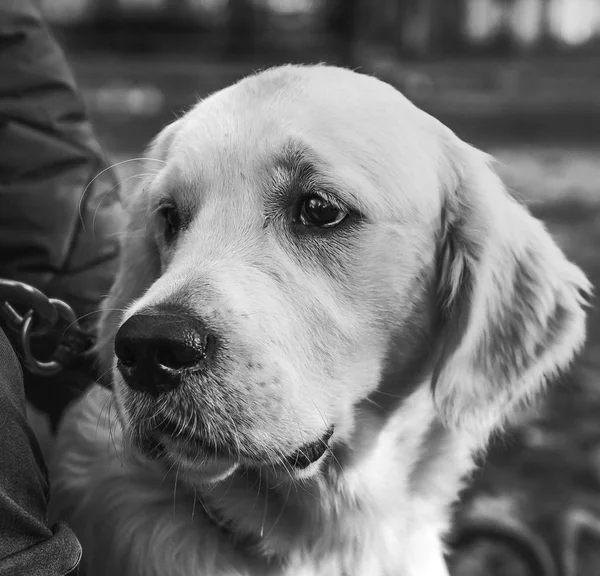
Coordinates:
(139, 264)
(513, 304)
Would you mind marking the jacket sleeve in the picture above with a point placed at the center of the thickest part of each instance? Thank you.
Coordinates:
(57, 231)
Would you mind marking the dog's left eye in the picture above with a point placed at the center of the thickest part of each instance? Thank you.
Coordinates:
(171, 220)
(317, 211)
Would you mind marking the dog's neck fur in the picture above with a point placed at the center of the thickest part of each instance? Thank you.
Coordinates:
(295, 522)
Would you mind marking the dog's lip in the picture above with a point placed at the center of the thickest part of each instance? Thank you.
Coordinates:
(169, 432)
(311, 452)
(168, 437)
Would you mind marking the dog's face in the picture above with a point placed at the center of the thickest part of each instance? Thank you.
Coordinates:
(307, 240)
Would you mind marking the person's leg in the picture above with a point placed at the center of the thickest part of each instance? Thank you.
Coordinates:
(28, 546)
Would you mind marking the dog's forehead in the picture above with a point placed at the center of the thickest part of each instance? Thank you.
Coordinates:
(351, 123)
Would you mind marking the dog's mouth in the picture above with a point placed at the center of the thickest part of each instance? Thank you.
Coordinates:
(311, 452)
(168, 431)
(168, 439)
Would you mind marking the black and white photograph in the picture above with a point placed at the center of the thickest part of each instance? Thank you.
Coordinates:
(299, 287)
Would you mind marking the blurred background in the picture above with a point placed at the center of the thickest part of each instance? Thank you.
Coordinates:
(519, 78)
(491, 68)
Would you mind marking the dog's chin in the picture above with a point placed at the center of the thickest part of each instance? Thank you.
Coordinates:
(209, 472)
(199, 468)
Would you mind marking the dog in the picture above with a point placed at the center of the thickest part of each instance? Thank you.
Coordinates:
(326, 305)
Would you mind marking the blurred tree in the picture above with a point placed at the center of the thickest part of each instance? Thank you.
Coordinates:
(452, 15)
(343, 23)
(242, 29)
(429, 28)
(417, 23)
(547, 39)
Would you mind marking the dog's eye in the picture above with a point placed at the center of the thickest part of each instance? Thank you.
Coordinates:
(172, 222)
(316, 211)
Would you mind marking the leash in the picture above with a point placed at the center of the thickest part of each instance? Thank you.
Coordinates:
(28, 314)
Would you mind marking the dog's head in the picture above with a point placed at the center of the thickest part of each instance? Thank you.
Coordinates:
(304, 236)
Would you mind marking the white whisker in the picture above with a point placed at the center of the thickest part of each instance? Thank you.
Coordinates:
(108, 168)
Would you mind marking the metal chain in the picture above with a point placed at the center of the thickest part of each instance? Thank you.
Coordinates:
(42, 314)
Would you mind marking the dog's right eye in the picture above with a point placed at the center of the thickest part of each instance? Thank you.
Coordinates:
(172, 222)
(320, 212)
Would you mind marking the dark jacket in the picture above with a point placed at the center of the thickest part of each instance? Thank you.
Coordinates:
(58, 225)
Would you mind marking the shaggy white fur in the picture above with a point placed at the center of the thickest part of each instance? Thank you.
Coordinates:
(413, 329)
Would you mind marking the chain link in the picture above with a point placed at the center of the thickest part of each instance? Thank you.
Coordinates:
(18, 293)
(41, 315)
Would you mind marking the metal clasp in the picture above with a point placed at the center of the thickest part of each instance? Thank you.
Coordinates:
(42, 315)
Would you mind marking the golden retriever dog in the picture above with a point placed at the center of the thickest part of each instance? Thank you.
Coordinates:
(326, 304)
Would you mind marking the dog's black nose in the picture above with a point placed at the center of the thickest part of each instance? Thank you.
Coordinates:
(158, 346)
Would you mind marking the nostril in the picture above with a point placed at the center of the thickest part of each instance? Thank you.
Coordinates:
(126, 355)
(175, 356)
